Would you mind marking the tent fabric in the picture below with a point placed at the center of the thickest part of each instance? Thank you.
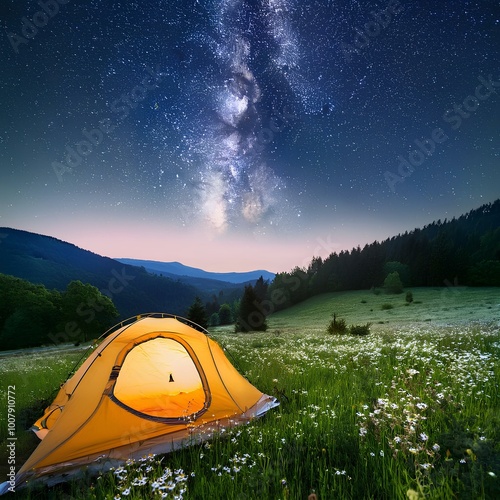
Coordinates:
(151, 386)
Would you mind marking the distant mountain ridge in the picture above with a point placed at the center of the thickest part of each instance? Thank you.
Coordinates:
(464, 250)
(173, 269)
(54, 263)
(144, 286)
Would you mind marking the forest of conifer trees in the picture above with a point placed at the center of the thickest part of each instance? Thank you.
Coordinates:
(463, 251)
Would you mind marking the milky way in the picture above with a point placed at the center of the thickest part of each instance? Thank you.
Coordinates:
(236, 186)
(259, 119)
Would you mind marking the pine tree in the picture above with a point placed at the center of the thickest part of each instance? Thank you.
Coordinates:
(250, 317)
(197, 313)
(260, 289)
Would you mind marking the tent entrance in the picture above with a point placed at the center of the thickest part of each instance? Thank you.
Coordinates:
(159, 379)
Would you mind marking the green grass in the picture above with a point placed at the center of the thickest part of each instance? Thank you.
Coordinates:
(413, 406)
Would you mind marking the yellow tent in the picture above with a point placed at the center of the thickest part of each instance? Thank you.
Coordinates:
(151, 386)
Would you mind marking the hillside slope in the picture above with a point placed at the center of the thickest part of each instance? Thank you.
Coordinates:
(436, 305)
(464, 251)
(54, 263)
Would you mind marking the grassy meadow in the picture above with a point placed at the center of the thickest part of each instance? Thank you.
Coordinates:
(411, 411)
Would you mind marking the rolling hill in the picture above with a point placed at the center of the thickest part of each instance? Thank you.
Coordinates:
(54, 263)
(436, 305)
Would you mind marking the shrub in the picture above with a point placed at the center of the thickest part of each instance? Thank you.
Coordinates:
(225, 316)
(393, 284)
(386, 307)
(214, 320)
(360, 329)
(402, 269)
(409, 297)
(337, 326)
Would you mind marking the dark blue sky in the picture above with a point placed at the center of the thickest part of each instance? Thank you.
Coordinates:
(233, 135)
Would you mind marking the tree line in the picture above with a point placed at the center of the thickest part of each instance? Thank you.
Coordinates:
(246, 313)
(464, 251)
(32, 315)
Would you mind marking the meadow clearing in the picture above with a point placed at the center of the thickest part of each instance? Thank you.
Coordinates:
(410, 411)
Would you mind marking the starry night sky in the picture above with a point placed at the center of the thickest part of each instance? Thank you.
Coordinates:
(234, 135)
